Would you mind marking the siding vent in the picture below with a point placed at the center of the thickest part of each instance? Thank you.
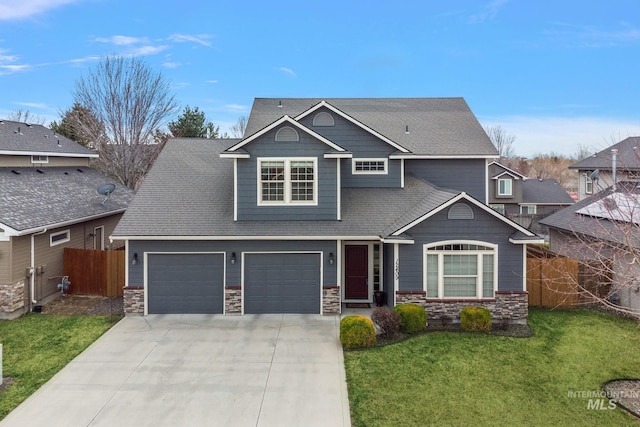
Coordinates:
(323, 119)
(287, 134)
(460, 211)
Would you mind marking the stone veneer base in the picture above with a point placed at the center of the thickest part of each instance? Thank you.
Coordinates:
(133, 300)
(510, 307)
(12, 297)
(331, 300)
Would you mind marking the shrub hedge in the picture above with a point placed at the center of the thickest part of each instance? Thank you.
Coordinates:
(357, 332)
(475, 319)
(413, 317)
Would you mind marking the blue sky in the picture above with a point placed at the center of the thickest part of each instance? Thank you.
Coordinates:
(556, 74)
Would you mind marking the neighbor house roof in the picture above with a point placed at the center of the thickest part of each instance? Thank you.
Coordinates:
(48, 197)
(188, 193)
(544, 192)
(432, 127)
(586, 217)
(30, 139)
(628, 157)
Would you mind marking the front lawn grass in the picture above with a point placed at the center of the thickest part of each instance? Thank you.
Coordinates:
(36, 346)
(459, 378)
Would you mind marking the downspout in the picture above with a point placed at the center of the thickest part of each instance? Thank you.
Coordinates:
(614, 165)
(32, 269)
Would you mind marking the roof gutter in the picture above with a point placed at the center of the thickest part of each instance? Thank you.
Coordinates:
(13, 232)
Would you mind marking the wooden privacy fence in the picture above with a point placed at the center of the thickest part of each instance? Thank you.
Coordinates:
(552, 281)
(95, 272)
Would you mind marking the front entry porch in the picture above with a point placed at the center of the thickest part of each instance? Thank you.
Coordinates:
(362, 273)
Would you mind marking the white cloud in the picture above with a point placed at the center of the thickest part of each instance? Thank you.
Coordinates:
(38, 105)
(201, 39)
(121, 40)
(563, 135)
(489, 12)
(171, 64)
(8, 66)
(288, 71)
(19, 9)
(146, 50)
(236, 108)
(211, 81)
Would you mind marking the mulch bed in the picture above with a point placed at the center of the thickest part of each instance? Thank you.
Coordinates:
(83, 304)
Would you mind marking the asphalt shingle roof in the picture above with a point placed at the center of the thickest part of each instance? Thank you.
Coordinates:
(189, 192)
(437, 126)
(41, 197)
(29, 138)
(628, 157)
(569, 220)
(544, 191)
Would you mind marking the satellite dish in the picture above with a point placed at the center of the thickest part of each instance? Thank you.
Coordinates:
(106, 190)
(595, 174)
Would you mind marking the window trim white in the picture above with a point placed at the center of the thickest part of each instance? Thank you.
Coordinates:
(588, 182)
(61, 241)
(384, 161)
(510, 181)
(527, 207)
(479, 275)
(287, 182)
(41, 161)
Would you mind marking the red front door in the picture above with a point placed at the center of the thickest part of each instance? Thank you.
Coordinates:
(356, 273)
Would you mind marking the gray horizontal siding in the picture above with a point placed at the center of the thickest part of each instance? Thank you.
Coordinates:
(468, 175)
(136, 272)
(266, 146)
(483, 228)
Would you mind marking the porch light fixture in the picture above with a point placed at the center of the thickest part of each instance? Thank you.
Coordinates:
(134, 260)
(233, 257)
(331, 259)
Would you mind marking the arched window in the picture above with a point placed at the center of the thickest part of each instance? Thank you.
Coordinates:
(460, 211)
(287, 134)
(323, 119)
(460, 269)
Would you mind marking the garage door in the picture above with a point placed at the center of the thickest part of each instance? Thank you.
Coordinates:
(282, 283)
(185, 283)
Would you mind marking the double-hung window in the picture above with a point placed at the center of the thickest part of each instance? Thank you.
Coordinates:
(505, 187)
(460, 270)
(287, 181)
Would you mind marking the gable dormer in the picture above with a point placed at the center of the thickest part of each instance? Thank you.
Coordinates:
(286, 171)
(505, 185)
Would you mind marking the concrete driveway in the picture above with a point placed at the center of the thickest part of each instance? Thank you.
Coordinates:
(200, 370)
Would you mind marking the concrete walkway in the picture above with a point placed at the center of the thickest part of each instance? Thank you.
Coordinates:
(200, 370)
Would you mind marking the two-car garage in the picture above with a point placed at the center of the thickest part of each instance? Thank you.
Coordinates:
(272, 282)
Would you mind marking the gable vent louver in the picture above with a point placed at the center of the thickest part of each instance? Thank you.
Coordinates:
(460, 211)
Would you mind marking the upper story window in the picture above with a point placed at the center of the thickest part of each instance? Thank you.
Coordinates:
(59, 237)
(39, 159)
(369, 166)
(287, 134)
(323, 119)
(498, 207)
(460, 270)
(287, 181)
(588, 184)
(505, 187)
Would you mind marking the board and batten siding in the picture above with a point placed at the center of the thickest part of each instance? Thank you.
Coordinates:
(483, 228)
(233, 271)
(266, 146)
(468, 175)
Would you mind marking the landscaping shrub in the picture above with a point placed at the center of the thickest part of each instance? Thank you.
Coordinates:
(475, 319)
(413, 317)
(387, 320)
(357, 332)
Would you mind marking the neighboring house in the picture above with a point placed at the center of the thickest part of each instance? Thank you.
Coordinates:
(602, 232)
(324, 202)
(49, 202)
(525, 200)
(627, 167)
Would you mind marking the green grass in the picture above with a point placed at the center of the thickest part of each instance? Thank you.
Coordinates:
(35, 347)
(451, 378)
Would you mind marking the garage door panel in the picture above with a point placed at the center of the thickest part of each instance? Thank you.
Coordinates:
(185, 283)
(282, 283)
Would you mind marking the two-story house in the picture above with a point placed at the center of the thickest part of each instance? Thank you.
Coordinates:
(596, 173)
(525, 200)
(48, 201)
(324, 202)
